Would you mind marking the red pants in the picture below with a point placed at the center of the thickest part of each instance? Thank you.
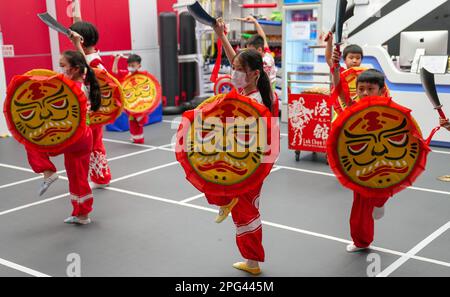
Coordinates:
(98, 168)
(76, 161)
(247, 219)
(137, 128)
(361, 219)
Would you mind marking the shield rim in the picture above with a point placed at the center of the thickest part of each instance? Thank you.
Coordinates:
(118, 94)
(333, 157)
(152, 108)
(208, 187)
(15, 83)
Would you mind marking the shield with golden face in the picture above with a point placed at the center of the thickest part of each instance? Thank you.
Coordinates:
(225, 145)
(376, 147)
(47, 114)
(142, 93)
(112, 99)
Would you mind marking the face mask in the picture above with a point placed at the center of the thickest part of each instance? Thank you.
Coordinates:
(239, 79)
(132, 69)
(66, 73)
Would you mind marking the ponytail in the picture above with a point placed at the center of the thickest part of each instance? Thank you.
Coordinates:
(95, 96)
(265, 89)
(77, 60)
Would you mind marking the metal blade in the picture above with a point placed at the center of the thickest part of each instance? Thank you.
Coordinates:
(52, 23)
(340, 13)
(430, 87)
(350, 12)
(197, 11)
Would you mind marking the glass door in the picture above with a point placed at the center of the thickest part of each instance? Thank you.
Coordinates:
(300, 32)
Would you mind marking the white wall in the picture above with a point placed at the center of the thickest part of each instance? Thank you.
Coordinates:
(3, 128)
(144, 34)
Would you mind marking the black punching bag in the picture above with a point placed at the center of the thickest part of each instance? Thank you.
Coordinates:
(168, 45)
(188, 46)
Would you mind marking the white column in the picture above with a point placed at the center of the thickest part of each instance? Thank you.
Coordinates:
(3, 128)
(144, 34)
(54, 39)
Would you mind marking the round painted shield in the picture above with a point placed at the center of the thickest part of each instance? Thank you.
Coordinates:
(47, 114)
(376, 148)
(223, 85)
(142, 93)
(112, 99)
(225, 145)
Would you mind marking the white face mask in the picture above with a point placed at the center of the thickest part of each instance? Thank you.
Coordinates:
(132, 69)
(66, 73)
(239, 79)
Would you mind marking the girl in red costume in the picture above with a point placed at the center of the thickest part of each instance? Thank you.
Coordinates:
(85, 37)
(77, 155)
(249, 77)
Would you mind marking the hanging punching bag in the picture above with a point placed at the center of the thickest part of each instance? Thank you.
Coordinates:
(169, 62)
(188, 47)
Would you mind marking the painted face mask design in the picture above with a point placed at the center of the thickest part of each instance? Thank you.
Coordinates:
(378, 147)
(45, 113)
(142, 93)
(226, 154)
(222, 144)
(112, 99)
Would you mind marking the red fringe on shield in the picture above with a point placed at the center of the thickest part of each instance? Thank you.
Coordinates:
(205, 186)
(333, 157)
(16, 82)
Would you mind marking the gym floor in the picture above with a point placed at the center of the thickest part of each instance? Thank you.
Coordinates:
(152, 222)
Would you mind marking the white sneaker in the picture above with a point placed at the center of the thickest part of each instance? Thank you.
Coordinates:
(351, 248)
(98, 186)
(77, 221)
(378, 213)
(47, 182)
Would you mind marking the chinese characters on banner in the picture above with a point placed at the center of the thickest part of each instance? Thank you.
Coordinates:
(309, 122)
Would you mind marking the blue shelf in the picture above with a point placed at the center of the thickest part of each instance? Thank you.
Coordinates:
(270, 23)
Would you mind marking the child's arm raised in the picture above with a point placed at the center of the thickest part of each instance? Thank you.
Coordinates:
(335, 60)
(219, 28)
(259, 29)
(77, 41)
(329, 51)
(76, 11)
(115, 67)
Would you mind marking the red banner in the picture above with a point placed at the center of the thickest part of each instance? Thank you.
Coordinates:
(309, 122)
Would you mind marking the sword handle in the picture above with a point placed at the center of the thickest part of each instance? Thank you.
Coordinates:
(441, 113)
(337, 65)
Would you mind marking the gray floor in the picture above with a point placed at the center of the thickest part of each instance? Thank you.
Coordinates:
(152, 222)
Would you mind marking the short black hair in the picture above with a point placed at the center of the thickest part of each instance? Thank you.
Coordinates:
(88, 31)
(256, 41)
(353, 49)
(372, 76)
(134, 58)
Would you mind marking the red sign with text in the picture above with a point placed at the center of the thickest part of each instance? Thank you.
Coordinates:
(309, 122)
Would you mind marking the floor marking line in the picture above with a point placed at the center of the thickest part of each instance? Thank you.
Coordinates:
(275, 225)
(163, 147)
(414, 251)
(22, 268)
